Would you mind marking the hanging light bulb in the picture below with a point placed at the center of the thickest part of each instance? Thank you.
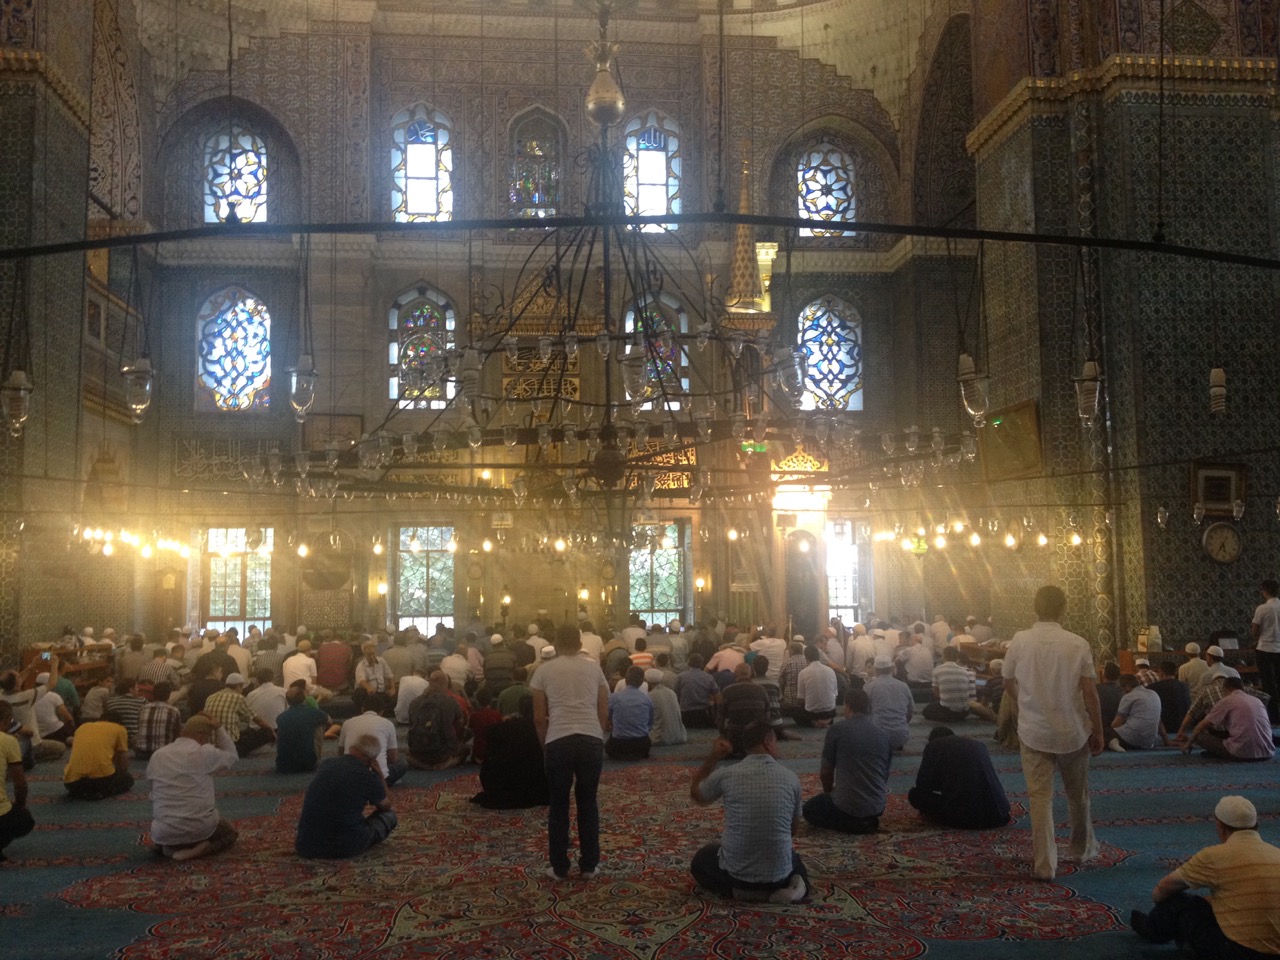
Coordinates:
(15, 399)
(760, 429)
(887, 443)
(975, 539)
(604, 345)
(378, 548)
(561, 545)
(410, 443)
(512, 349)
(1237, 509)
(302, 462)
(415, 545)
(1010, 540)
(1089, 392)
(302, 392)
(1076, 539)
(968, 446)
(544, 349)
(913, 438)
(571, 346)
(704, 334)
(303, 550)
(1162, 517)
(737, 340)
(937, 442)
(1042, 540)
(738, 425)
(452, 544)
(974, 389)
(1217, 390)
(138, 380)
(1197, 512)
(475, 436)
(732, 533)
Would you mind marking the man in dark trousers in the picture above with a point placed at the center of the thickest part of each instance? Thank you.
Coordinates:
(333, 821)
(956, 785)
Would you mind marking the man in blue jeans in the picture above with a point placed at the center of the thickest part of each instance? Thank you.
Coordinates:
(571, 712)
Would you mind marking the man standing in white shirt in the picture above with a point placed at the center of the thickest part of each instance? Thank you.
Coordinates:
(571, 712)
(1266, 631)
(1050, 672)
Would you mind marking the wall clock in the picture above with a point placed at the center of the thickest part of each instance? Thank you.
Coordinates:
(1222, 542)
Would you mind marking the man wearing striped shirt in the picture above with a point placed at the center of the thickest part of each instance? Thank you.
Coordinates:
(953, 690)
(1239, 920)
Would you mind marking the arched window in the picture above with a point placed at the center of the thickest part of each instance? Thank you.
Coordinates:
(830, 334)
(235, 176)
(824, 189)
(651, 177)
(234, 366)
(536, 151)
(666, 376)
(421, 325)
(421, 165)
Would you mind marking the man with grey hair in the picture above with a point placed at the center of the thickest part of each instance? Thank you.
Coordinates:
(333, 822)
(1242, 873)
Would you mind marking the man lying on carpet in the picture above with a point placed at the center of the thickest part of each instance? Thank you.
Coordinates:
(333, 821)
(1241, 918)
(754, 859)
(186, 823)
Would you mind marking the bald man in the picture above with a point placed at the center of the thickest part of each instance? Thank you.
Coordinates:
(186, 823)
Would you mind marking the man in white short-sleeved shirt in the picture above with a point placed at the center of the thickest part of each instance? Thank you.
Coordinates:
(571, 712)
(1266, 631)
(1050, 671)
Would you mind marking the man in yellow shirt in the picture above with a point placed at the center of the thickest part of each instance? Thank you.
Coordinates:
(99, 763)
(15, 819)
(1240, 919)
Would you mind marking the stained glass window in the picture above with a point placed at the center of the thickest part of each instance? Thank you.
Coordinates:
(824, 181)
(421, 166)
(651, 177)
(235, 176)
(234, 330)
(667, 374)
(421, 327)
(658, 590)
(843, 595)
(424, 579)
(830, 334)
(535, 167)
(237, 577)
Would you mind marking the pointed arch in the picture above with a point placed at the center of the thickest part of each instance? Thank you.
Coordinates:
(537, 143)
(421, 165)
(421, 327)
(652, 167)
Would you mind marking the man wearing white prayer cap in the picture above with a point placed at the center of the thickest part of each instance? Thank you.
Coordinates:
(1239, 919)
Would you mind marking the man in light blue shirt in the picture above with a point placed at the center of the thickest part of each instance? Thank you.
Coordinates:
(630, 720)
(1137, 723)
(754, 859)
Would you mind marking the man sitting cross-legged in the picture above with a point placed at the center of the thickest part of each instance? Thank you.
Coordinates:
(434, 724)
(956, 785)
(1241, 921)
(333, 821)
(854, 772)
(754, 859)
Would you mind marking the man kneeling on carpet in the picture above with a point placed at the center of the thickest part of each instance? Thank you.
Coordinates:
(957, 786)
(754, 859)
(186, 823)
(1240, 920)
(333, 821)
